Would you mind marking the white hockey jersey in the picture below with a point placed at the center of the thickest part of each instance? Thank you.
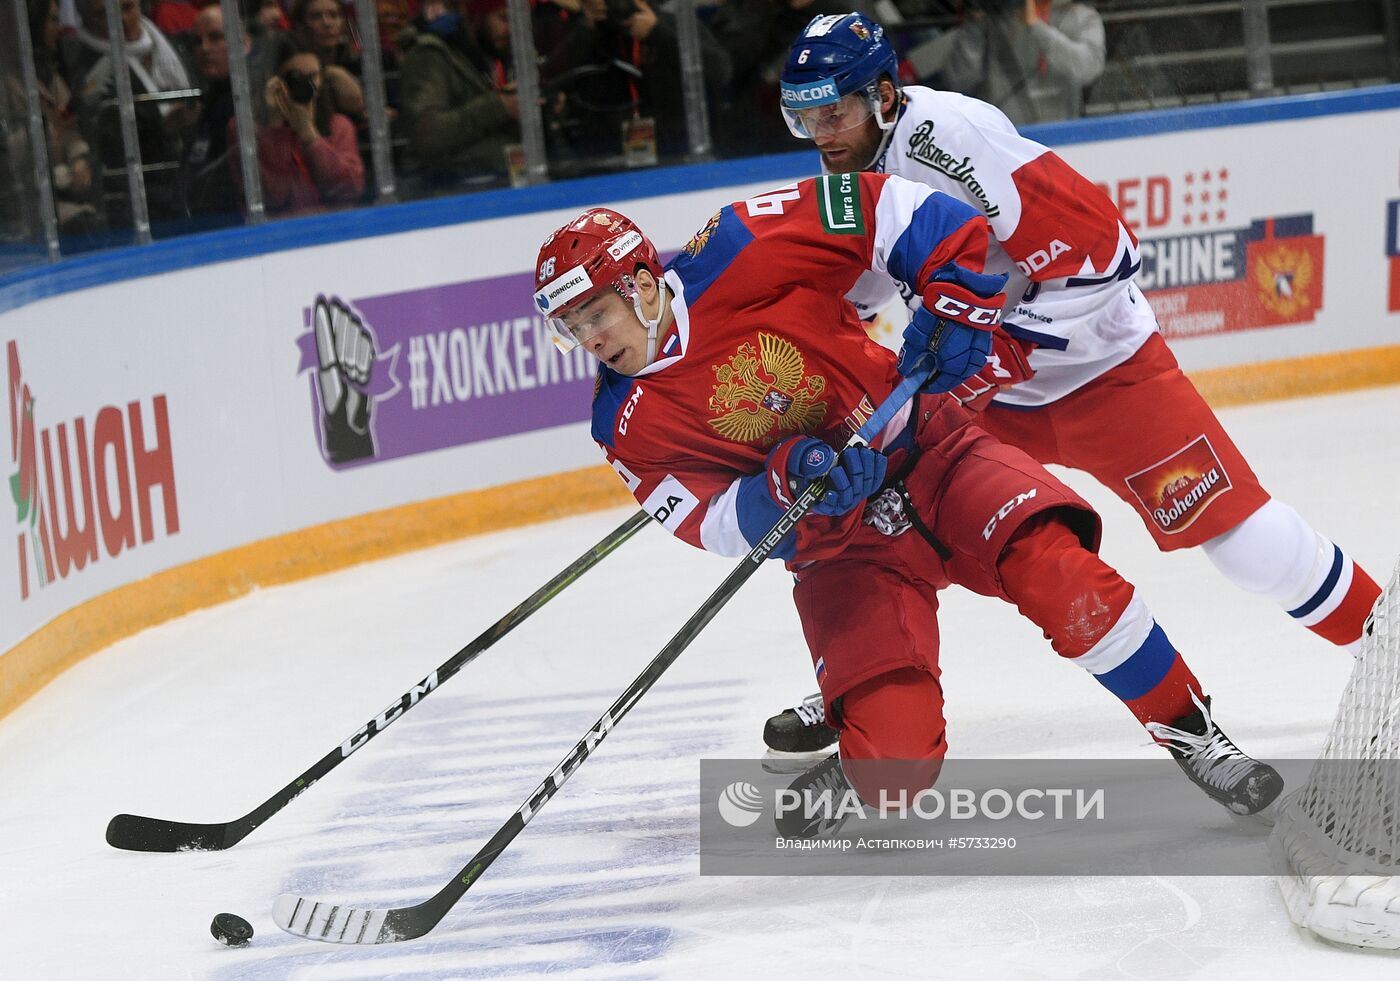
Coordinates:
(1070, 257)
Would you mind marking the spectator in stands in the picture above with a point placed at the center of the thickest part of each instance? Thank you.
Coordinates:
(70, 157)
(319, 25)
(266, 23)
(208, 179)
(306, 150)
(757, 34)
(154, 67)
(174, 17)
(490, 20)
(635, 48)
(460, 111)
(1032, 59)
(152, 59)
(394, 16)
(271, 18)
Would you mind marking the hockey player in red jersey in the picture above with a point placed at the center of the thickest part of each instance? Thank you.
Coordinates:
(727, 379)
(1080, 375)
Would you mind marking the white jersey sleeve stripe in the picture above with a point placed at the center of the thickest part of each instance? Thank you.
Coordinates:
(893, 213)
(719, 531)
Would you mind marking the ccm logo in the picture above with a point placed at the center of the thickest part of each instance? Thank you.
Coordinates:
(1004, 510)
(628, 409)
(1041, 258)
(983, 316)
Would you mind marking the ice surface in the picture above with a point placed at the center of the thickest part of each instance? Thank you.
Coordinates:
(202, 718)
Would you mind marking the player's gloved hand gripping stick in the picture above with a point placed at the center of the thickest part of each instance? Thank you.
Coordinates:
(851, 475)
(145, 834)
(335, 923)
(951, 332)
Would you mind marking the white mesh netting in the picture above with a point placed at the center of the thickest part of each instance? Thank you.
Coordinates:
(1338, 836)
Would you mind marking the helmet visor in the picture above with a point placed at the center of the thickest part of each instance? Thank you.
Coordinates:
(845, 114)
(586, 319)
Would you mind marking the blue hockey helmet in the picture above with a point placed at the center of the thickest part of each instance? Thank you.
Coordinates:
(836, 55)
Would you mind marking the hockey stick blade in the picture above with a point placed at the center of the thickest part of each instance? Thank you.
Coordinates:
(333, 923)
(134, 832)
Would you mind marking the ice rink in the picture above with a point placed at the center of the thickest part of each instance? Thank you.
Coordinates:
(202, 718)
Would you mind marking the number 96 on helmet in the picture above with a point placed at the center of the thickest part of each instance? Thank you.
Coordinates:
(600, 249)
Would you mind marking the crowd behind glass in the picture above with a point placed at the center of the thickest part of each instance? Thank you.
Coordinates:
(339, 104)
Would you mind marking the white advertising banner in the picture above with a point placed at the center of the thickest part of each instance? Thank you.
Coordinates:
(1273, 240)
(158, 420)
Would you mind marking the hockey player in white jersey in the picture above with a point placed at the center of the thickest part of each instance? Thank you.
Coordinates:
(1079, 375)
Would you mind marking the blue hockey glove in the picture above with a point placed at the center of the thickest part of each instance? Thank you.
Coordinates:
(953, 326)
(797, 461)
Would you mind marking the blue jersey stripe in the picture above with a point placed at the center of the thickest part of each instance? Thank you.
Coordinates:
(1035, 336)
(613, 390)
(933, 221)
(1144, 669)
(758, 513)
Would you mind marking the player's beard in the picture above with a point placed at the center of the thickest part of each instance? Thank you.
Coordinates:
(857, 153)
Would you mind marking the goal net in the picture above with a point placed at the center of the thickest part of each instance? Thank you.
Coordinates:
(1337, 838)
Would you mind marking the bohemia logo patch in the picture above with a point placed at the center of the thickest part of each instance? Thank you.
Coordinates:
(1176, 490)
(761, 391)
(89, 481)
(1392, 251)
(1214, 282)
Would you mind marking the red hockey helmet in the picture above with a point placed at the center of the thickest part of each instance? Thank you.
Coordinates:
(598, 249)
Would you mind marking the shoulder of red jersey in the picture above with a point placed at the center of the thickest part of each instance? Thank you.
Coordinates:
(819, 226)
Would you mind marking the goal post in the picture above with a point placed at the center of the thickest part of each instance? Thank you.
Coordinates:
(1337, 838)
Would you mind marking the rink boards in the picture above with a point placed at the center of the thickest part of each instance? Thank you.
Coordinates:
(169, 444)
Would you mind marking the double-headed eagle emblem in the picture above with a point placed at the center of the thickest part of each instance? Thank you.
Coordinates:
(1283, 277)
(702, 238)
(763, 395)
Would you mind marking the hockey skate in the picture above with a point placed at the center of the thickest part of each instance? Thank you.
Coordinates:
(1216, 765)
(797, 737)
(824, 778)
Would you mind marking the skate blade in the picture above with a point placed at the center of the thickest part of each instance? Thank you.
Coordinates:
(1262, 818)
(776, 761)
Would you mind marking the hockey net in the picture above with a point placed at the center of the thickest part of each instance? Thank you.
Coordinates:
(1337, 839)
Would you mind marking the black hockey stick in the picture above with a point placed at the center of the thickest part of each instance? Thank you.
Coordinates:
(144, 834)
(350, 925)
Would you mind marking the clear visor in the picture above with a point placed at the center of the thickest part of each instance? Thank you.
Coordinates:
(838, 117)
(588, 318)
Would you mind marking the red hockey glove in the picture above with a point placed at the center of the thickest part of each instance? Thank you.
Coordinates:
(1007, 365)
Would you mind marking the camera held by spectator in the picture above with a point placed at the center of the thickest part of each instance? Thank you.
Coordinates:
(306, 149)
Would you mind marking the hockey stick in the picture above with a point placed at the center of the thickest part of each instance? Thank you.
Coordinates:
(144, 834)
(349, 925)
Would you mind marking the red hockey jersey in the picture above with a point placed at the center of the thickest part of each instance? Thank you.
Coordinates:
(764, 346)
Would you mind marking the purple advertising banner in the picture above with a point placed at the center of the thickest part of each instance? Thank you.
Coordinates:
(427, 369)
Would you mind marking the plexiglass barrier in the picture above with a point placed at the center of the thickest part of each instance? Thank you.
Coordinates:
(236, 113)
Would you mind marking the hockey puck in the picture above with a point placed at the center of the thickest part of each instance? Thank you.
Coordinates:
(231, 929)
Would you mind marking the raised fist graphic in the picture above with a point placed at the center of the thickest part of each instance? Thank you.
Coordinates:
(345, 352)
